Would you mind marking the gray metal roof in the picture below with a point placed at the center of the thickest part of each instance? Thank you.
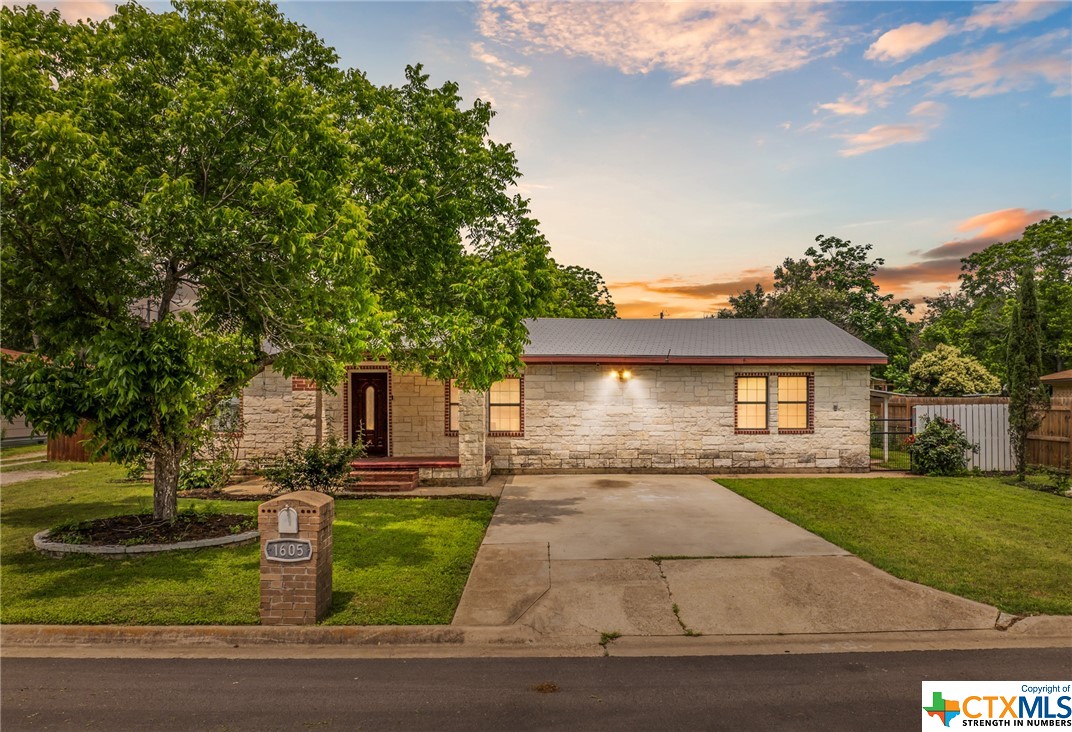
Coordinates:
(710, 338)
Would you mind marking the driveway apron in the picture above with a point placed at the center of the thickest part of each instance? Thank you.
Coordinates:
(577, 555)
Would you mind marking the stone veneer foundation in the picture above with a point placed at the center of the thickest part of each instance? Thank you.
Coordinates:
(579, 418)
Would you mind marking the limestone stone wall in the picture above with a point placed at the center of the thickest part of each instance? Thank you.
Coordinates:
(679, 418)
(418, 414)
(273, 415)
(578, 418)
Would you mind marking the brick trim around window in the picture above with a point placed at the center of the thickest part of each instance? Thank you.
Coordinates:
(810, 429)
(749, 375)
(447, 431)
(446, 411)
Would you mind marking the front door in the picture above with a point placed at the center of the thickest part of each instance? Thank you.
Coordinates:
(368, 423)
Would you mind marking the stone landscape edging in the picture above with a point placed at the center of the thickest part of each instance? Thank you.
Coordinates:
(59, 549)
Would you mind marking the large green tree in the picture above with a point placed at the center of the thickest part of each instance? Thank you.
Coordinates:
(578, 292)
(834, 280)
(1027, 396)
(190, 197)
(977, 317)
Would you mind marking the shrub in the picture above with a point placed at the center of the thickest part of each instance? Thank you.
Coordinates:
(320, 467)
(940, 448)
(946, 371)
(214, 464)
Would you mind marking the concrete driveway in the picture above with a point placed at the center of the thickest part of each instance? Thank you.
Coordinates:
(660, 555)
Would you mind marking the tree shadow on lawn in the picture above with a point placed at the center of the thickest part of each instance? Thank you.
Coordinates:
(77, 576)
(48, 516)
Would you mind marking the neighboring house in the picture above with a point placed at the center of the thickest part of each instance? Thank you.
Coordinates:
(687, 396)
(16, 431)
(1061, 384)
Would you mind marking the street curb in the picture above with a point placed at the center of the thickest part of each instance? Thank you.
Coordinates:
(449, 641)
(226, 635)
(59, 549)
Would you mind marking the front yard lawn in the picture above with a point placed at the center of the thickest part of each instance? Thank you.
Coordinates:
(10, 453)
(979, 538)
(397, 561)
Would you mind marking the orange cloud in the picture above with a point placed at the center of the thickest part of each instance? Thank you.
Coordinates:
(1004, 225)
(939, 271)
(680, 298)
(651, 309)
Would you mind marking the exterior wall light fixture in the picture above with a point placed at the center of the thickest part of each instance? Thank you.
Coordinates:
(621, 374)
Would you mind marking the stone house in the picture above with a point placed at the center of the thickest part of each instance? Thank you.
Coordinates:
(686, 396)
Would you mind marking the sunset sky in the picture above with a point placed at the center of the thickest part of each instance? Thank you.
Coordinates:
(684, 150)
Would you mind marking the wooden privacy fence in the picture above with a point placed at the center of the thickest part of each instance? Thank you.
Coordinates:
(69, 447)
(986, 425)
(1051, 443)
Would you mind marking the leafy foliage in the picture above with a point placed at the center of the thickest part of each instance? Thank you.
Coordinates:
(190, 197)
(940, 448)
(459, 261)
(321, 467)
(1027, 396)
(833, 280)
(578, 293)
(945, 371)
(977, 318)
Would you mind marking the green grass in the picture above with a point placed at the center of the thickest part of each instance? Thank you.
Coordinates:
(13, 452)
(979, 538)
(397, 561)
(897, 459)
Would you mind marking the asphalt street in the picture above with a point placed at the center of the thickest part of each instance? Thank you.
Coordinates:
(849, 691)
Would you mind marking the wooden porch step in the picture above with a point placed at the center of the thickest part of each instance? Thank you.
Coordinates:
(364, 481)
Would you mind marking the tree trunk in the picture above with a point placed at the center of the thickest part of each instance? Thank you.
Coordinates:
(166, 484)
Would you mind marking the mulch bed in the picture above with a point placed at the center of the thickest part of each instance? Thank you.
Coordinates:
(133, 530)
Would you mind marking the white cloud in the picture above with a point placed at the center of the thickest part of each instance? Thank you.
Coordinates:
(844, 107)
(907, 40)
(1004, 16)
(881, 136)
(928, 109)
(725, 44)
(929, 114)
(496, 64)
(996, 69)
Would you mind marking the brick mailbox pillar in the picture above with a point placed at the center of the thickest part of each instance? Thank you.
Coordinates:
(295, 558)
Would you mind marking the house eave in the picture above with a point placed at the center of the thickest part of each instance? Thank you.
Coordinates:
(706, 360)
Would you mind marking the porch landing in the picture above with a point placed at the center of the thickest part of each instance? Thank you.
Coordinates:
(406, 473)
(405, 463)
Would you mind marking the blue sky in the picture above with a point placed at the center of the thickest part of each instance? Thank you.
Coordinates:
(683, 150)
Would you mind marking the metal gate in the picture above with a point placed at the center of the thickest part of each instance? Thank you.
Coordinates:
(888, 449)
